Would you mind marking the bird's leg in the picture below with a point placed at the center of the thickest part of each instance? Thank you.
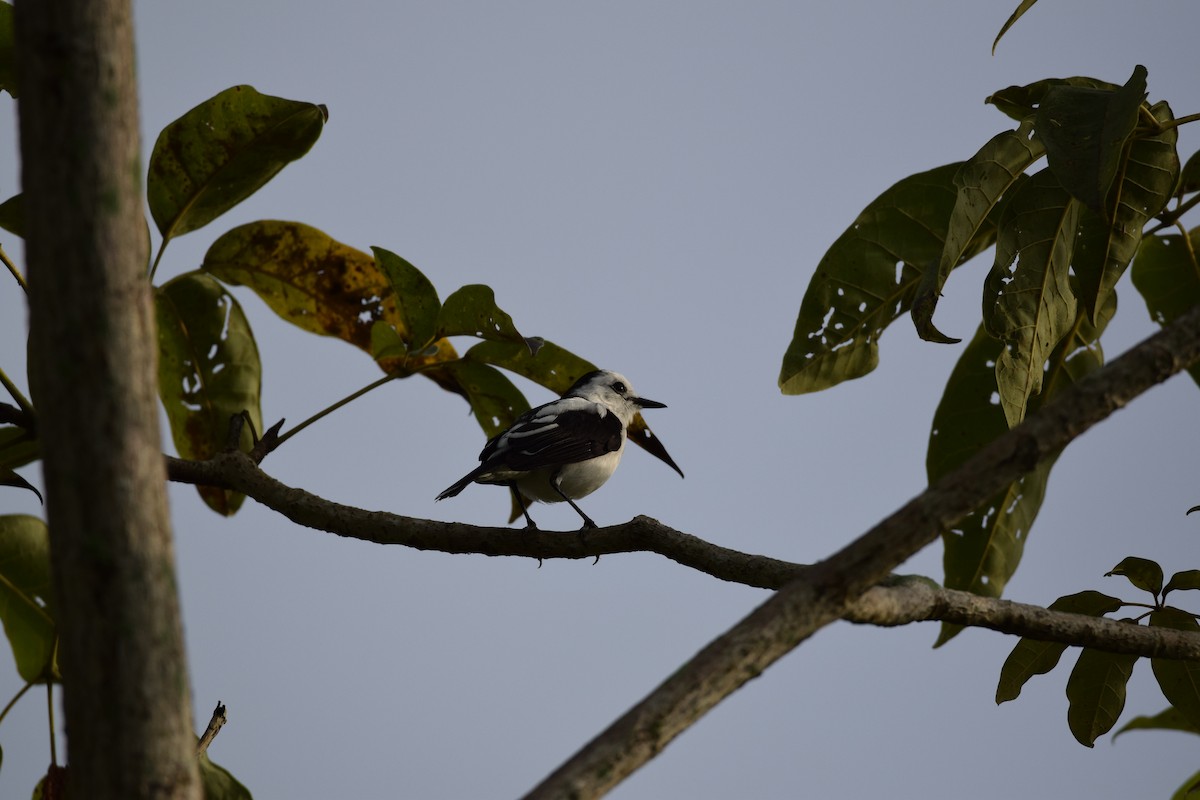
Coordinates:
(529, 523)
(588, 523)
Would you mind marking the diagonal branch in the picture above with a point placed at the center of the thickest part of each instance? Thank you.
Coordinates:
(811, 596)
(826, 591)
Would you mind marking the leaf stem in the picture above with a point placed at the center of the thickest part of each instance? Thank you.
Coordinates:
(1171, 217)
(16, 273)
(335, 407)
(158, 257)
(1175, 123)
(16, 697)
(50, 714)
(21, 399)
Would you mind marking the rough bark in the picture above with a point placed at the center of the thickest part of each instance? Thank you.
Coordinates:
(93, 375)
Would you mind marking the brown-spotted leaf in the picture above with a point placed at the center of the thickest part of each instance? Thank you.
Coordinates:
(318, 284)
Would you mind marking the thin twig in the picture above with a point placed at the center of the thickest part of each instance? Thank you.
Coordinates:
(16, 273)
(352, 396)
(214, 727)
(16, 395)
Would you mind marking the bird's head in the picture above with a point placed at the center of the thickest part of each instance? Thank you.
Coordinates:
(614, 392)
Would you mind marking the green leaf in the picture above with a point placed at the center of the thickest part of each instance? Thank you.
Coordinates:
(868, 278)
(26, 599)
(218, 783)
(1170, 719)
(981, 182)
(416, 299)
(1148, 176)
(12, 215)
(8, 51)
(208, 372)
(983, 551)
(1033, 657)
(1187, 791)
(1016, 15)
(318, 284)
(222, 151)
(10, 478)
(553, 367)
(1096, 693)
(17, 447)
(1189, 178)
(1143, 573)
(1085, 131)
(1022, 102)
(1179, 680)
(495, 401)
(472, 311)
(1027, 298)
(1166, 274)
(1187, 579)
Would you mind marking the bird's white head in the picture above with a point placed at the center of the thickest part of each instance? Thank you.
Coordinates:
(613, 391)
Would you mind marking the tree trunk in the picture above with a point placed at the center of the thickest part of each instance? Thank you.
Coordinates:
(93, 375)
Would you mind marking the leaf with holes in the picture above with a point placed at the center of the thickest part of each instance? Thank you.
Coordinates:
(1148, 176)
(1167, 276)
(983, 551)
(1034, 657)
(223, 151)
(208, 372)
(1027, 298)
(472, 311)
(1096, 693)
(318, 284)
(415, 298)
(26, 599)
(981, 183)
(868, 278)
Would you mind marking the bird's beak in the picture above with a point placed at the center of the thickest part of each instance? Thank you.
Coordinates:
(644, 403)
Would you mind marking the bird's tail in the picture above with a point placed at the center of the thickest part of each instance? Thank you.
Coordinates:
(461, 483)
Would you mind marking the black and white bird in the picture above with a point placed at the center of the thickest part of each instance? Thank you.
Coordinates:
(565, 449)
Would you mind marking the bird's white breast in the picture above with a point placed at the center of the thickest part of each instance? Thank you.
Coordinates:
(576, 480)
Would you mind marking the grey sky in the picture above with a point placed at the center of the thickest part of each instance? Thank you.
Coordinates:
(649, 184)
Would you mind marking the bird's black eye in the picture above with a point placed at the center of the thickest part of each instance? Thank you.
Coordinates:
(619, 388)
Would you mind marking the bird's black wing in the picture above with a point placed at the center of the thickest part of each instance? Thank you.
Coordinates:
(553, 437)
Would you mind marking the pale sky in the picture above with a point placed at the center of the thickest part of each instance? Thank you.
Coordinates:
(651, 185)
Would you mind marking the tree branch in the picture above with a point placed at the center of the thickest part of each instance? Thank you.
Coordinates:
(215, 724)
(810, 597)
(899, 602)
(826, 592)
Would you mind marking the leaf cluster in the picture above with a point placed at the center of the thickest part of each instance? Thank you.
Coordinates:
(203, 164)
(1067, 199)
(1097, 683)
